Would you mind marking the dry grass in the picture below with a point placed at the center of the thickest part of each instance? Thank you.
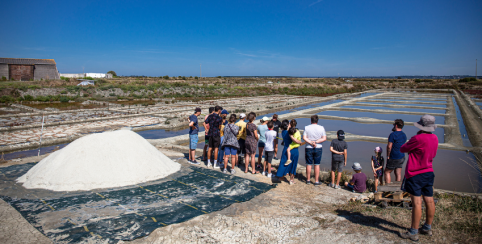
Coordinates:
(457, 219)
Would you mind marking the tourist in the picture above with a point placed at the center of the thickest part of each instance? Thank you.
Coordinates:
(206, 130)
(395, 158)
(252, 138)
(270, 136)
(339, 155)
(224, 114)
(230, 144)
(282, 169)
(276, 127)
(291, 132)
(241, 137)
(193, 135)
(358, 182)
(214, 121)
(262, 139)
(419, 175)
(314, 135)
(377, 166)
(294, 142)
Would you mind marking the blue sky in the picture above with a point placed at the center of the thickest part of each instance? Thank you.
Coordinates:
(293, 38)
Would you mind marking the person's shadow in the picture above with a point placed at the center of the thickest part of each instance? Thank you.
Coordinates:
(370, 221)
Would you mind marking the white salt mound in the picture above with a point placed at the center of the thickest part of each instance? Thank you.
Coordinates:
(104, 160)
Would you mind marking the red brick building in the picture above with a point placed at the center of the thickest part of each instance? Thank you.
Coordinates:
(28, 69)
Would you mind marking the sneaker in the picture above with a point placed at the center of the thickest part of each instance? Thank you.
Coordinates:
(308, 182)
(216, 165)
(209, 165)
(194, 162)
(337, 187)
(425, 231)
(331, 185)
(221, 165)
(264, 173)
(233, 172)
(275, 158)
(408, 235)
(287, 162)
(225, 171)
(317, 184)
(269, 175)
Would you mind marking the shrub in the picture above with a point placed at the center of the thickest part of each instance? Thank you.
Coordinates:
(63, 92)
(86, 95)
(6, 99)
(4, 78)
(112, 95)
(88, 78)
(468, 79)
(28, 98)
(112, 72)
(64, 99)
(195, 77)
(166, 77)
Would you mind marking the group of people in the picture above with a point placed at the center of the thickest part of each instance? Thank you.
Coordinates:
(229, 138)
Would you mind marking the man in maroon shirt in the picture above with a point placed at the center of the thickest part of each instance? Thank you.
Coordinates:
(419, 176)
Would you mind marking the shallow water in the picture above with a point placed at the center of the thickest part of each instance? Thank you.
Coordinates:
(409, 101)
(404, 117)
(460, 120)
(34, 152)
(439, 111)
(407, 104)
(379, 130)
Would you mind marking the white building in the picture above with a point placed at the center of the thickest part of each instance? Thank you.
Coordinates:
(93, 75)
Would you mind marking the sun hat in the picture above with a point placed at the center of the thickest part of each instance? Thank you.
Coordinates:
(197, 110)
(356, 166)
(426, 123)
(264, 119)
(242, 116)
(224, 111)
(378, 149)
(340, 134)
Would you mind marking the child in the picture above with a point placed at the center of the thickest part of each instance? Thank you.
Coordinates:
(377, 166)
(291, 132)
(358, 182)
(269, 135)
(339, 154)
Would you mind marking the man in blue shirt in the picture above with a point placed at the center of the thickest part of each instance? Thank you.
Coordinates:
(395, 158)
(193, 135)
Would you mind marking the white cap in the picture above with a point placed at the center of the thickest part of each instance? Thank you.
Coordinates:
(242, 116)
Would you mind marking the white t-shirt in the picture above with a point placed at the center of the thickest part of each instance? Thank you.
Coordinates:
(270, 136)
(314, 132)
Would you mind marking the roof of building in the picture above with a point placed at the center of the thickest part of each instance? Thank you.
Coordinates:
(26, 61)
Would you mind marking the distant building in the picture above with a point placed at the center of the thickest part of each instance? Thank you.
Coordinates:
(82, 75)
(28, 69)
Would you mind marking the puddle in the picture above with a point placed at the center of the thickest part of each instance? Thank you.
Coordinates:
(379, 130)
(33, 152)
(454, 170)
(438, 111)
(460, 120)
(369, 94)
(407, 104)
(404, 117)
(408, 100)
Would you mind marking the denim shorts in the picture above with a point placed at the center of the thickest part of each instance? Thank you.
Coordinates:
(261, 144)
(230, 151)
(193, 139)
(313, 156)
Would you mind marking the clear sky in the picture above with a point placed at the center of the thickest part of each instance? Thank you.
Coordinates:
(262, 37)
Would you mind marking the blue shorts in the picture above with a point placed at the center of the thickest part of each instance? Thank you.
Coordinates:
(230, 151)
(313, 156)
(418, 185)
(261, 144)
(193, 139)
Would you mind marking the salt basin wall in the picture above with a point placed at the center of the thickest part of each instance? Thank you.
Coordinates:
(104, 160)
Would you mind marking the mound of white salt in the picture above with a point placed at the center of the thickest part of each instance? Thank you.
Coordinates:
(105, 160)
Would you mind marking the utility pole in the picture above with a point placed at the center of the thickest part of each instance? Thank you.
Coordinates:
(200, 71)
(476, 69)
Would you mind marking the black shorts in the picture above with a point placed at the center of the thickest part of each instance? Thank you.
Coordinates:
(418, 185)
(268, 156)
(242, 146)
(214, 141)
(395, 163)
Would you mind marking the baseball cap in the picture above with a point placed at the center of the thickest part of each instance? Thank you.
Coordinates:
(224, 111)
(340, 134)
(197, 110)
(426, 123)
(265, 119)
(242, 116)
(356, 166)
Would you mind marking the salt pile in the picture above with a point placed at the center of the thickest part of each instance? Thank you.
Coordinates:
(104, 160)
